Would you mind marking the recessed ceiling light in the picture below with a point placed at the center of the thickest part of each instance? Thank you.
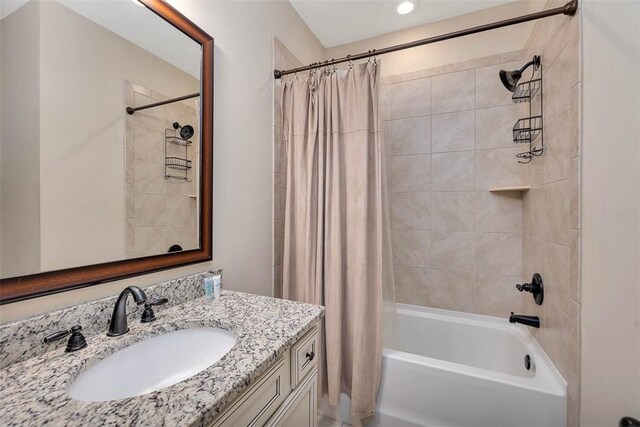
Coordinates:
(405, 7)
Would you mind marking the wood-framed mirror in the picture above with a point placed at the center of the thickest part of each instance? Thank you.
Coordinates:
(107, 164)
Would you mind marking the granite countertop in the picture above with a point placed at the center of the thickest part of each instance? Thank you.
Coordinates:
(33, 392)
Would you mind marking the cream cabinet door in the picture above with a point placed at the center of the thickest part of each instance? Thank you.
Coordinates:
(261, 401)
(300, 408)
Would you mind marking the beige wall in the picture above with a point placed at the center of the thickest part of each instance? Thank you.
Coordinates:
(20, 147)
(452, 51)
(243, 140)
(20, 167)
(611, 212)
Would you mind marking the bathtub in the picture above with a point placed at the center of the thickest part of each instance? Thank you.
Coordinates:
(446, 368)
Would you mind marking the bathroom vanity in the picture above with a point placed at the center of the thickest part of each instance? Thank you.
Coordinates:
(285, 395)
(268, 377)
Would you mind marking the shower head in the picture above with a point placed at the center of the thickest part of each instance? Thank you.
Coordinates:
(186, 131)
(510, 78)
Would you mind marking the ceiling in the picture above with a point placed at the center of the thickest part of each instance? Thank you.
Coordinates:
(338, 22)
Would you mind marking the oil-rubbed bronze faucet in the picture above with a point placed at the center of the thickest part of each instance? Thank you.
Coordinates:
(118, 325)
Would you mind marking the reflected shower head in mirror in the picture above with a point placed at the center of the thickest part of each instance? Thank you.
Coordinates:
(510, 78)
(186, 131)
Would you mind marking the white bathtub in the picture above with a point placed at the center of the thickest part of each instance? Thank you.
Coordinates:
(445, 368)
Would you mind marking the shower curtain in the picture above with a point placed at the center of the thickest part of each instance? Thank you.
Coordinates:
(336, 250)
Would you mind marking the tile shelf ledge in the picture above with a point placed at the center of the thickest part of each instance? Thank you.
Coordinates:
(522, 189)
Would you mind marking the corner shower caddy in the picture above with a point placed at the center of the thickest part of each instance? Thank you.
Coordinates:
(527, 129)
(180, 165)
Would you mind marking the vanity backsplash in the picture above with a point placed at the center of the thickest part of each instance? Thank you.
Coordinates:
(22, 339)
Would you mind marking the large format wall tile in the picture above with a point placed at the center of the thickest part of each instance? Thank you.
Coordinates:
(179, 210)
(497, 168)
(412, 285)
(410, 173)
(412, 248)
(494, 125)
(451, 290)
(410, 211)
(556, 280)
(453, 250)
(557, 144)
(557, 212)
(499, 253)
(150, 178)
(452, 171)
(411, 136)
(453, 92)
(496, 295)
(385, 102)
(452, 211)
(150, 241)
(149, 145)
(498, 212)
(557, 87)
(452, 132)
(411, 98)
(150, 210)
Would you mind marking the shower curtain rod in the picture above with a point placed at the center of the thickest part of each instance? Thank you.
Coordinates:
(568, 9)
(131, 110)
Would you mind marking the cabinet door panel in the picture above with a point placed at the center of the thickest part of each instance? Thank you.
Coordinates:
(300, 408)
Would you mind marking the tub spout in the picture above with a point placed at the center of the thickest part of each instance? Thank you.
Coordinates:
(533, 321)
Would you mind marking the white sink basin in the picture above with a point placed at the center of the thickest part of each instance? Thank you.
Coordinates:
(152, 364)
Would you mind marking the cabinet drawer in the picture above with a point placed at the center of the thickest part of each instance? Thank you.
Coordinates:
(304, 356)
(260, 402)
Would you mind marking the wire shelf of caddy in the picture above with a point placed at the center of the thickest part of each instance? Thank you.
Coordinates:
(176, 165)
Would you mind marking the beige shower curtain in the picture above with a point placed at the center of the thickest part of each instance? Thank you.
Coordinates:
(335, 250)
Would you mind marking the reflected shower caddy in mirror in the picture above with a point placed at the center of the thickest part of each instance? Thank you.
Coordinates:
(528, 129)
(182, 165)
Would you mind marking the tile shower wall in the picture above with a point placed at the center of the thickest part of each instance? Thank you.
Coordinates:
(551, 208)
(159, 212)
(456, 244)
(282, 59)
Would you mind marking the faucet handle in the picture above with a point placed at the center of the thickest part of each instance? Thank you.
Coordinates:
(76, 340)
(148, 315)
(56, 336)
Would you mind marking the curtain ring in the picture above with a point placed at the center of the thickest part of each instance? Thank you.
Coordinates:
(372, 59)
(350, 62)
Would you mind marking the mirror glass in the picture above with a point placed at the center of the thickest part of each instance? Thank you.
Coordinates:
(82, 181)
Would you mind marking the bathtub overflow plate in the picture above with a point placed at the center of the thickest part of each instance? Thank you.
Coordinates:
(528, 363)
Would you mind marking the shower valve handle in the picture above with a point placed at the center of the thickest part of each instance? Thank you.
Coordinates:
(535, 287)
